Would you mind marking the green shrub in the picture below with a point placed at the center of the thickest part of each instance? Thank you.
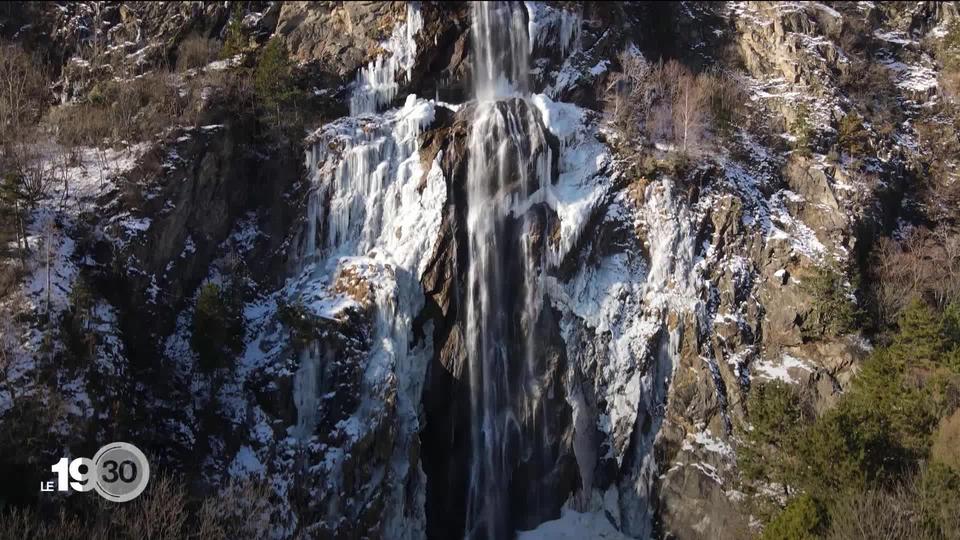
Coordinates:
(776, 417)
(848, 448)
(302, 324)
(217, 327)
(948, 52)
(802, 130)
(922, 335)
(235, 39)
(852, 138)
(834, 312)
(937, 492)
(803, 518)
(865, 456)
(884, 388)
(273, 81)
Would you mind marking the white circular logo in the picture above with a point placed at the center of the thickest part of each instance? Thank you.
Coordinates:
(122, 472)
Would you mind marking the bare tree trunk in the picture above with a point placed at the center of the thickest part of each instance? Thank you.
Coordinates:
(686, 114)
(49, 231)
(21, 233)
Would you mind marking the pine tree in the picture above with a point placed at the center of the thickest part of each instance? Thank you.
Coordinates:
(273, 79)
(235, 39)
(776, 418)
(217, 327)
(921, 337)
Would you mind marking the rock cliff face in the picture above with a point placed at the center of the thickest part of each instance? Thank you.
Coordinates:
(625, 312)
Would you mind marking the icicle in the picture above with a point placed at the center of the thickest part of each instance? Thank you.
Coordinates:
(376, 84)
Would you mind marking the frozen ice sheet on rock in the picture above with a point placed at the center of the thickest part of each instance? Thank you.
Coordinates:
(584, 164)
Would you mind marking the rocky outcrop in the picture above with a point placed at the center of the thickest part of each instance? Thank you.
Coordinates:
(341, 36)
(170, 217)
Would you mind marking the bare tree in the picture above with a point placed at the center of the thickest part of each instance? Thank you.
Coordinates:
(690, 110)
(924, 262)
(665, 101)
(23, 91)
(242, 509)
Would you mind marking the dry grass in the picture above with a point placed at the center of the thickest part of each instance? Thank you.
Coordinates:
(140, 108)
(946, 443)
(195, 52)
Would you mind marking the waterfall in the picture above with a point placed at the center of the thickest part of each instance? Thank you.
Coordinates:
(509, 161)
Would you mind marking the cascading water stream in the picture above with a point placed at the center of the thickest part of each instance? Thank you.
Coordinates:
(509, 161)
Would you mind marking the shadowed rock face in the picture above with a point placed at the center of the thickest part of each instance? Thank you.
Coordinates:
(541, 477)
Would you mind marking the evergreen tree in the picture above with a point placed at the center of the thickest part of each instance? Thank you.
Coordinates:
(922, 336)
(273, 79)
(217, 327)
(834, 312)
(235, 39)
(776, 418)
(951, 324)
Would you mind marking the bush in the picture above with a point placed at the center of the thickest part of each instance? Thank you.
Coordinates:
(303, 325)
(948, 55)
(141, 108)
(864, 453)
(852, 138)
(874, 513)
(129, 110)
(727, 102)
(802, 130)
(24, 94)
(667, 102)
(924, 264)
(217, 327)
(803, 518)
(834, 312)
(922, 334)
(935, 492)
(195, 52)
(922, 505)
(848, 448)
(776, 415)
(235, 38)
(78, 334)
(241, 509)
(946, 442)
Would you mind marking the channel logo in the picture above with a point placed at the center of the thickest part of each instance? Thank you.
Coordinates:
(119, 472)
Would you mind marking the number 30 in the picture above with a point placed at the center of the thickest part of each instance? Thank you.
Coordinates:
(126, 471)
